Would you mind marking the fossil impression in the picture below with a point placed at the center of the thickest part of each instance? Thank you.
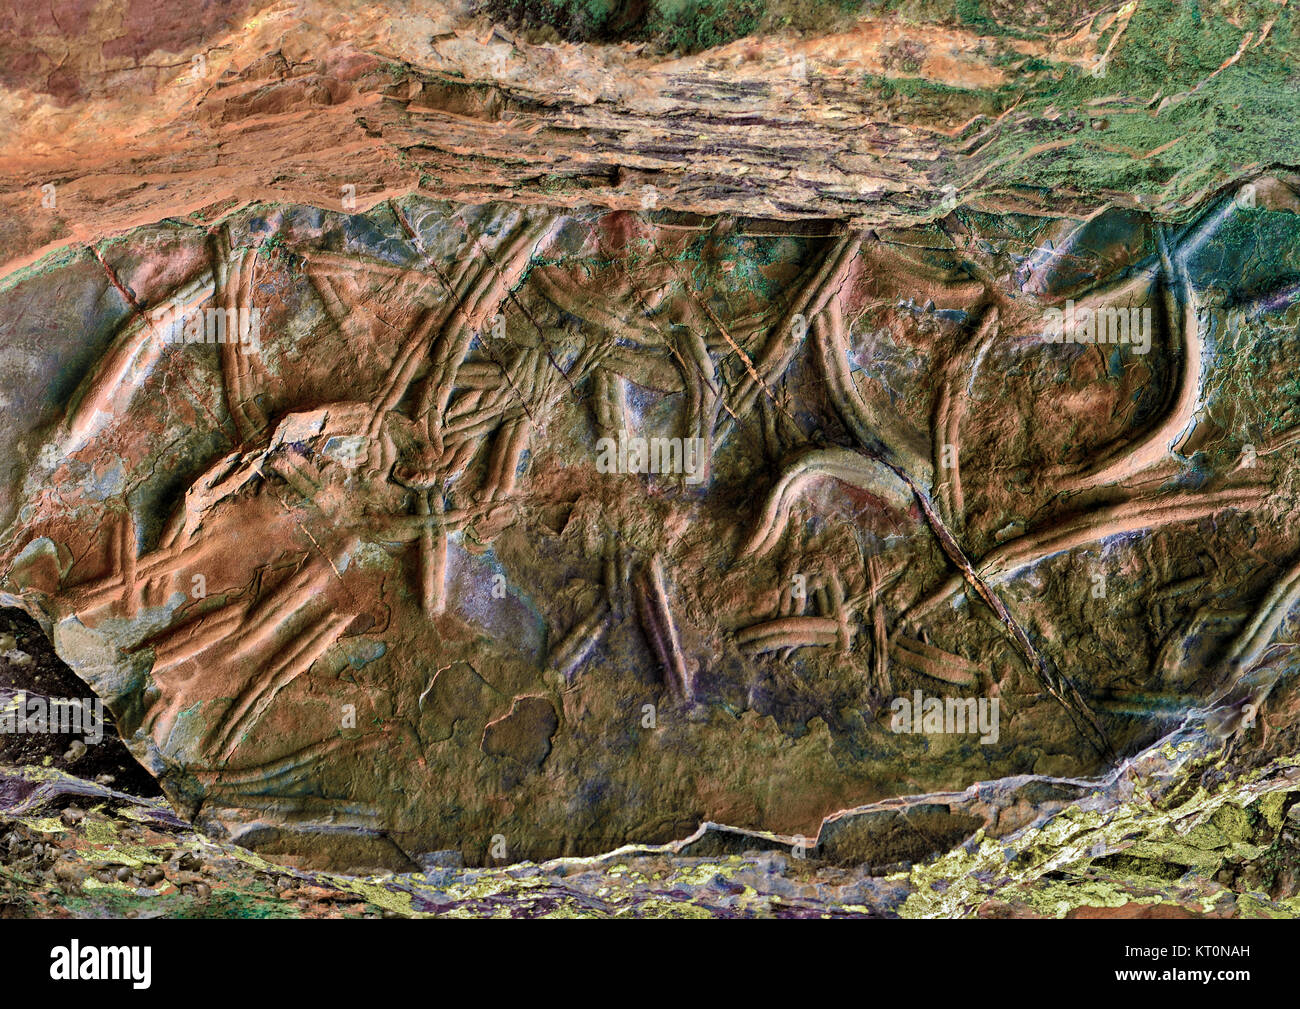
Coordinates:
(434, 526)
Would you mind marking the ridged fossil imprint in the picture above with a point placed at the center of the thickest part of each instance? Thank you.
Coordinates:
(449, 527)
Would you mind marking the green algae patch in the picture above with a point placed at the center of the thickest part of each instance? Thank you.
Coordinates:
(1272, 807)
(1134, 852)
(1201, 105)
(377, 893)
(44, 825)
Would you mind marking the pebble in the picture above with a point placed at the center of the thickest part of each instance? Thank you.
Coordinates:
(67, 870)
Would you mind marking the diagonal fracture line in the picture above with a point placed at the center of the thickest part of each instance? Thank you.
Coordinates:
(1057, 685)
(136, 308)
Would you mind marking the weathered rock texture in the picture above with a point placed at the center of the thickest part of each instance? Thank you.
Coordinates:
(345, 557)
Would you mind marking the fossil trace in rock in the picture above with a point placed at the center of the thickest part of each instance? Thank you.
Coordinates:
(529, 527)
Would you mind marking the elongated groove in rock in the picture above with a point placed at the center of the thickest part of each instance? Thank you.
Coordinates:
(1058, 686)
(842, 464)
(868, 427)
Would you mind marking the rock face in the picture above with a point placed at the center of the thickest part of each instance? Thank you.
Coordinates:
(628, 452)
